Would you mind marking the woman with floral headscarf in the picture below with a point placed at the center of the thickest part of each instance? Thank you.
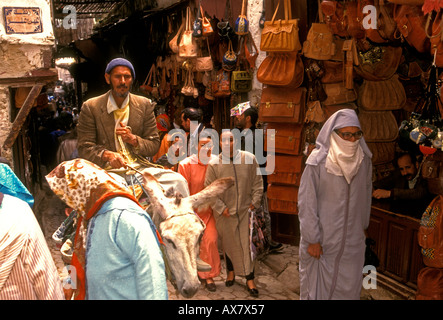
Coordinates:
(334, 202)
(116, 250)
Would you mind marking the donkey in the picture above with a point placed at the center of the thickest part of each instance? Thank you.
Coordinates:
(180, 228)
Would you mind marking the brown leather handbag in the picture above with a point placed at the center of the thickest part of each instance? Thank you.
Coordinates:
(386, 25)
(338, 93)
(382, 95)
(334, 71)
(288, 138)
(430, 284)
(221, 86)
(314, 112)
(379, 63)
(333, 12)
(353, 20)
(282, 199)
(382, 152)
(282, 105)
(411, 26)
(281, 69)
(319, 44)
(287, 169)
(378, 126)
(281, 35)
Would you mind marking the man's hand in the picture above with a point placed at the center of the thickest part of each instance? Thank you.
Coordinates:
(381, 194)
(315, 250)
(115, 159)
(126, 134)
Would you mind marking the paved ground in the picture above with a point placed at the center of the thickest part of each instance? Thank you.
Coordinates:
(276, 275)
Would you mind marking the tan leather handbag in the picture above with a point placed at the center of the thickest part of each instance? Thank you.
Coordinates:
(173, 44)
(382, 95)
(411, 26)
(314, 112)
(338, 93)
(378, 126)
(379, 63)
(386, 25)
(282, 105)
(188, 47)
(281, 35)
(319, 44)
(281, 69)
(204, 63)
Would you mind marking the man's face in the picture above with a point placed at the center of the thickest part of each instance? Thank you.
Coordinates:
(120, 80)
(227, 143)
(186, 124)
(240, 121)
(205, 147)
(407, 168)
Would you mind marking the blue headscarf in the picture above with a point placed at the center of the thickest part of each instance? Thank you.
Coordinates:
(340, 119)
(10, 184)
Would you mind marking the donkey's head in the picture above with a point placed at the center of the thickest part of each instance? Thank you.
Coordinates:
(181, 229)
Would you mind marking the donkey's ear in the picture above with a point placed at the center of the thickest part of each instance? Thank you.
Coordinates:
(209, 194)
(155, 192)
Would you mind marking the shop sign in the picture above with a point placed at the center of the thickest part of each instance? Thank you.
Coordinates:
(21, 20)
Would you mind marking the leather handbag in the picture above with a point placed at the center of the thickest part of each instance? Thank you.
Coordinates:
(314, 112)
(319, 44)
(282, 199)
(382, 152)
(150, 85)
(189, 88)
(207, 28)
(382, 95)
(287, 169)
(188, 47)
(288, 138)
(229, 59)
(353, 17)
(221, 86)
(337, 93)
(386, 25)
(334, 71)
(282, 105)
(334, 17)
(241, 81)
(430, 284)
(430, 234)
(197, 27)
(281, 69)
(241, 26)
(435, 36)
(251, 51)
(173, 44)
(281, 35)
(411, 26)
(204, 63)
(379, 63)
(378, 126)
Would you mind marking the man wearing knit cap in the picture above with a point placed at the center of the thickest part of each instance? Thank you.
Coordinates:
(117, 113)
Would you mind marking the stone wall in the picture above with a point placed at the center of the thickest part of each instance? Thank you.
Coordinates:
(20, 53)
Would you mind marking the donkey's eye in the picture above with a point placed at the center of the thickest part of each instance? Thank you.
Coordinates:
(171, 242)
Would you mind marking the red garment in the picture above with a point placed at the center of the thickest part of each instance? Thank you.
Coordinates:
(194, 172)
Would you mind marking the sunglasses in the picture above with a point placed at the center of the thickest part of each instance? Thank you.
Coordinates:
(348, 135)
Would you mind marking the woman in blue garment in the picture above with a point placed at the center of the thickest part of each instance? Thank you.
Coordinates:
(334, 202)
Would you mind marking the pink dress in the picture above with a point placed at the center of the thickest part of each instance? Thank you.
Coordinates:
(194, 172)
